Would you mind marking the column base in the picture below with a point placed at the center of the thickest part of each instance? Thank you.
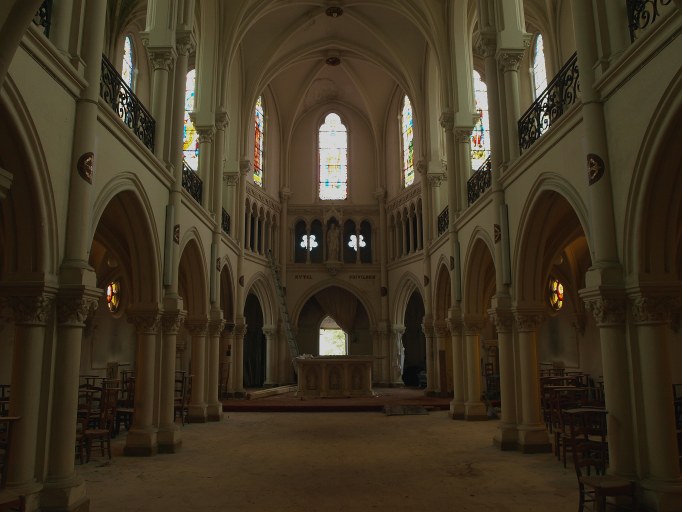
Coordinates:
(534, 440)
(506, 437)
(268, 385)
(475, 411)
(141, 443)
(214, 412)
(169, 439)
(456, 410)
(197, 413)
(662, 496)
(64, 495)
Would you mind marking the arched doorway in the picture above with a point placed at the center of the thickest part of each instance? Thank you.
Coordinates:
(254, 343)
(414, 342)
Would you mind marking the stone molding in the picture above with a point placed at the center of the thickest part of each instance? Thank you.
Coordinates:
(607, 311)
(172, 321)
(185, 43)
(162, 59)
(197, 326)
(510, 59)
(31, 310)
(648, 309)
(472, 325)
(463, 135)
(216, 326)
(206, 134)
(528, 321)
(230, 178)
(146, 322)
(74, 309)
(222, 120)
(503, 320)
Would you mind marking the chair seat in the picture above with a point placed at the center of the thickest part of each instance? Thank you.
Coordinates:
(608, 483)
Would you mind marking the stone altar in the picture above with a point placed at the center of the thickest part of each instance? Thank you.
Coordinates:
(334, 376)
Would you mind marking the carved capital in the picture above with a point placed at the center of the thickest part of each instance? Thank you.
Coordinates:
(648, 309)
(145, 322)
(435, 180)
(488, 45)
(245, 167)
(607, 311)
(161, 58)
(222, 120)
(528, 321)
(472, 325)
(441, 329)
(230, 178)
(31, 310)
(172, 321)
(510, 59)
(502, 320)
(398, 330)
(239, 330)
(269, 331)
(216, 326)
(463, 135)
(421, 167)
(380, 194)
(73, 310)
(206, 134)
(185, 43)
(197, 326)
(447, 120)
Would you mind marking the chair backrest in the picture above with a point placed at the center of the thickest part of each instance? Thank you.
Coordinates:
(6, 425)
(107, 409)
(588, 436)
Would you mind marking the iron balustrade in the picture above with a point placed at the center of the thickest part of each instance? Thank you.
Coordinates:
(191, 182)
(641, 13)
(561, 93)
(43, 17)
(443, 220)
(127, 106)
(479, 182)
(226, 222)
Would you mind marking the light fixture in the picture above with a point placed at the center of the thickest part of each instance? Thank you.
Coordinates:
(334, 11)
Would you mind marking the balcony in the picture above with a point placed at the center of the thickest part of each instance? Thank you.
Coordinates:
(43, 18)
(443, 220)
(191, 182)
(479, 182)
(642, 13)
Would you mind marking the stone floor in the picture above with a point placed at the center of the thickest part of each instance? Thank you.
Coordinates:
(332, 461)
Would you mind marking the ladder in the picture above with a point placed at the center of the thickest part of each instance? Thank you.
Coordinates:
(291, 341)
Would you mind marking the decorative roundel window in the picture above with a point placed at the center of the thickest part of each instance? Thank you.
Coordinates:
(113, 296)
(556, 294)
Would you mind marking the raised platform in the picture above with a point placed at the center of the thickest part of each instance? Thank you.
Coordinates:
(289, 402)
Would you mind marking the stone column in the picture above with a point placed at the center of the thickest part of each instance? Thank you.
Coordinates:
(474, 408)
(169, 438)
(32, 308)
(206, 134)
(198, 328)
(222, 120)
(226, 342)
(64, 490)
(462, 163)
(162, 60)
(441, 334)
(659, 464)
(447, 122)
(214, 407)
(609, 314)
(396, 357)
(533, 437)
(510, 59)
(458, 368)
(427, 328)
(238, 358)
(60, 26)
(507, 434)
(231, 180)
(142, 438)
(270, 332)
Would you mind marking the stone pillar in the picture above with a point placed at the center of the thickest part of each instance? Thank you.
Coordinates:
(60, 25)
(198, 328)
(659, 465)
(396, 357)
(462, 164)
(64, 490)
(227, 375)
(169, 438)
(506, 436)
(533, 437)
(458, 368)
(427, 328)
(442, 335)
(510, 59)
(206, 134)
(162, 59)
(238, 358)
(609, 314)
(474, 408)
(270, 332)
(32, 308)
(214, 407)
(222, 120)
(447, 122)
(142, 438)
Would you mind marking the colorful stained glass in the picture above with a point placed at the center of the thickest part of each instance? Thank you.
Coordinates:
(333, 148)
(190, 137)
(480, 135)
(128, 65)
(113, 297)
(258, 143)
(539, 67)
(408, 142)
(556, 294)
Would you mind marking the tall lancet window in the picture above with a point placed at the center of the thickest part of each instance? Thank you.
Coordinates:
(258, 138)
(539, 68)
(480, 136)
(128, 65)
(407, 131)
(190, 139)
(333, 155)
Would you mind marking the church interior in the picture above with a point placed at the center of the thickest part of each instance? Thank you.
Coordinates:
(477, 199)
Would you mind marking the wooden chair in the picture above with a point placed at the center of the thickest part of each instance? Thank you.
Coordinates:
(183, 393)
(8, 501)
(126, 405)
(101, 425)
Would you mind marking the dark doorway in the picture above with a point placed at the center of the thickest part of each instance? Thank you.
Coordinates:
(414, 341)
(254, 344)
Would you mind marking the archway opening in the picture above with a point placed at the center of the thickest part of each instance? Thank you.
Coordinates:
(414, 341)
(254, 344)
(333, 339)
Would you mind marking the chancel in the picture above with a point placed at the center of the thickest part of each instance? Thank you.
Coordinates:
(479, 201)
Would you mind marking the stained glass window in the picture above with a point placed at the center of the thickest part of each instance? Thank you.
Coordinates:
(356, 241)
(128, 65)
(408, 142)
(556, 294)
(480, 136)
(308, 242)
(190, 138)
(113, 298)
(258, 143)
(539, 68)
(333, 147)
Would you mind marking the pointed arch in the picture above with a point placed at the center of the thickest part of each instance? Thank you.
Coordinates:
(193, 275)
(260, 286)
(479, 274)
(407, 285)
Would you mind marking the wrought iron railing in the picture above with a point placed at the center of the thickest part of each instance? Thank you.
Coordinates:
(443, 220)
(479, 182)
(561, 93)
(43, 18)
(225, 223)
(642, 13)
(123, 101)
(191, 182)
